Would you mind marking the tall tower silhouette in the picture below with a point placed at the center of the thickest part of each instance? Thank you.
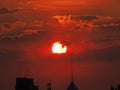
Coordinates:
(72, 85)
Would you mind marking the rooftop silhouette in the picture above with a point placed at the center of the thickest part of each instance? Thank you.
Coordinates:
(115, 88)
(25, 84)
(72, 85)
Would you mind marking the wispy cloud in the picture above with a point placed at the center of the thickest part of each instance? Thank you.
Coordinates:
(9, 11)
(18, 30)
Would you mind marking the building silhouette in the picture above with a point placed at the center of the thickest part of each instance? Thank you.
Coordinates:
(111, 88)
(72, 85)
(116, 88)
(25, 84)
(28, 84)
(119, 87)
(48, 86)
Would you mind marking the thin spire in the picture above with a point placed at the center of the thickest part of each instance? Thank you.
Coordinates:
(72, 85)
(71, 68)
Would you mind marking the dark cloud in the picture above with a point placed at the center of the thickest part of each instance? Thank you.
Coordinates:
(65, 25)
(87, 18)
(18, 30)
(84, 18)
(6, 25)
(82, 23)
(113, 26)
(8, 11)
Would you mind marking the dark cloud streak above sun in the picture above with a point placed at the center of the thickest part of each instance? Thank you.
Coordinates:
(9, 11)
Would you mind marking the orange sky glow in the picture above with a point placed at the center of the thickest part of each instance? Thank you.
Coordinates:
(89, 29)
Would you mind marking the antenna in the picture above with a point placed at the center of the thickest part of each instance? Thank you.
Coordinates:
(71, 68)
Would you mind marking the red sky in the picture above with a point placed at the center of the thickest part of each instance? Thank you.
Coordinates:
(90, 29)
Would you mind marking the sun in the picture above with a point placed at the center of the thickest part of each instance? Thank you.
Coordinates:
(58, 48)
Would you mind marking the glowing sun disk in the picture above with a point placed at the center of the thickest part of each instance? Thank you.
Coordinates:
(58, 48)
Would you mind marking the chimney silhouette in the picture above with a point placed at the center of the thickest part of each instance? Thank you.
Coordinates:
(119, 87)
(49, 86)
(111, 88)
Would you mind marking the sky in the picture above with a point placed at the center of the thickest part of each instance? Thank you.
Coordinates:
(89, 28)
